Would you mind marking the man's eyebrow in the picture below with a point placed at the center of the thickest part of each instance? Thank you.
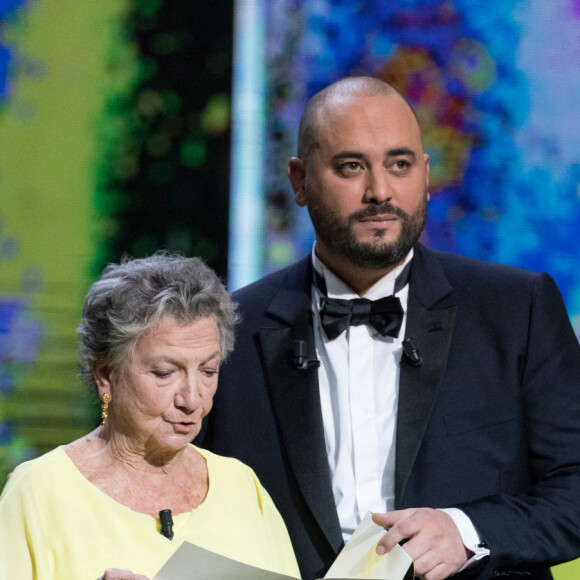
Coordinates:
(395, 152)
(398, 151)
(349, 155)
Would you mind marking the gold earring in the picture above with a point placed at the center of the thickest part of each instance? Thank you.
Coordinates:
(106, 398)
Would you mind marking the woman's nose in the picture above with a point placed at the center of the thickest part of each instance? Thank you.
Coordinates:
(188, 396)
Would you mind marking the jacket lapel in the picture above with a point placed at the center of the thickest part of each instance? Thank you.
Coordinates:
(431, 315)
(296, 402)
(295, 395)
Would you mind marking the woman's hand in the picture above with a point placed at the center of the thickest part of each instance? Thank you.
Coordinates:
(116, 574)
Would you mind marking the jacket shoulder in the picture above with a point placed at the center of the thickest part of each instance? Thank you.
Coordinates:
(295, 278)
(473, 272)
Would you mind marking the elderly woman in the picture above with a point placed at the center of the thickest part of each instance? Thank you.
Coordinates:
(153, 334)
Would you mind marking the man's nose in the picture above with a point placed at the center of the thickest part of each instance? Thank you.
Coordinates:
(377, 187)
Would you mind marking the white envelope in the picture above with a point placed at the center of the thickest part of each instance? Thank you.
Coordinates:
(358, 559)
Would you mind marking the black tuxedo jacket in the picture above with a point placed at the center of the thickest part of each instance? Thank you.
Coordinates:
(490, 423)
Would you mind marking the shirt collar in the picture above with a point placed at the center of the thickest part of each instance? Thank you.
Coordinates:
(336, 288)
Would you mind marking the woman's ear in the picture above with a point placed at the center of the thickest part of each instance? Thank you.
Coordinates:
(102, 375)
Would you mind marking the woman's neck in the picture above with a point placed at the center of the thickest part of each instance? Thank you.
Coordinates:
(142, 482)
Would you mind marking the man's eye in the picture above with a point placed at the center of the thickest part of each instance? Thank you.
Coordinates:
(402, 164)
(350, 167)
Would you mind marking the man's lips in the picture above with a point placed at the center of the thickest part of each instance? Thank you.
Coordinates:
(384, 218)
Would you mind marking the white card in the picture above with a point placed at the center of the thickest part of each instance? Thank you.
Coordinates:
(357, 559)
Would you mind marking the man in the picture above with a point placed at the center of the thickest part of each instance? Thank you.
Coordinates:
(456, 420)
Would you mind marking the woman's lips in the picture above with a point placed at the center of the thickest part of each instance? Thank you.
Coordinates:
(183, 425)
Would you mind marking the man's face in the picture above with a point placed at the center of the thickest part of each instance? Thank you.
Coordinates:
(365, 182)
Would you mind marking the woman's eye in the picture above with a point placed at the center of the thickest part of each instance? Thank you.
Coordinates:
(162, 374)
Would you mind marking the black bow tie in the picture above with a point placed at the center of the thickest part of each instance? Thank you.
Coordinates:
(384, 315)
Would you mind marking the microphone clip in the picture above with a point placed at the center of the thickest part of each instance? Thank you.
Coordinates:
(411, 354)
(301, 360)
(166, 523)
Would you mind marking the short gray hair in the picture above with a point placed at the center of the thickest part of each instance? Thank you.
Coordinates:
(133, 296)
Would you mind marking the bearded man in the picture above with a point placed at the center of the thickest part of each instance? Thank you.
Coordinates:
(439, 392)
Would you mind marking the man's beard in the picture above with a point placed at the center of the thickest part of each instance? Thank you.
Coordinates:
(340, 238)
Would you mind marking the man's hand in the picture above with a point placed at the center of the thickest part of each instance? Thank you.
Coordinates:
(433, 541)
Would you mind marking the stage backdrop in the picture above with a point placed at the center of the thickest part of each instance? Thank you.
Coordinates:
(495, 86)
(61, 65)
(114, 138)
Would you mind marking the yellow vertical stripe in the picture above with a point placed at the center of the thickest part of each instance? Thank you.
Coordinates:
(68, 60)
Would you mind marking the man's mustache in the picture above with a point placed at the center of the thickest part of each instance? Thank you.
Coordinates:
(385, 207)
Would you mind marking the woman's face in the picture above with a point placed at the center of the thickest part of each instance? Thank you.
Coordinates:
(166, 387)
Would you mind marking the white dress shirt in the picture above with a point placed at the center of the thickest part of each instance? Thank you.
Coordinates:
(359, 384)
(359, 389)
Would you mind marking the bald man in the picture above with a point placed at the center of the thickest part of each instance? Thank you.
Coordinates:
(438, 392)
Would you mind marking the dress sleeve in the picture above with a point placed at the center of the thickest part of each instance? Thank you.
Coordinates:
(21, 530)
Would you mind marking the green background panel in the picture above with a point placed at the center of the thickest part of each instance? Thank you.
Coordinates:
(68, 62)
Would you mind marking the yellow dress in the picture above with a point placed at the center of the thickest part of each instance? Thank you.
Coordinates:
(56, 525)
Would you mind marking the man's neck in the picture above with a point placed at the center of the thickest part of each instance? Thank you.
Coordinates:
(359, 279)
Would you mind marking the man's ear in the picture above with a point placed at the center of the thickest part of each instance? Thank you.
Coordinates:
(427, 169)
(296, 175)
